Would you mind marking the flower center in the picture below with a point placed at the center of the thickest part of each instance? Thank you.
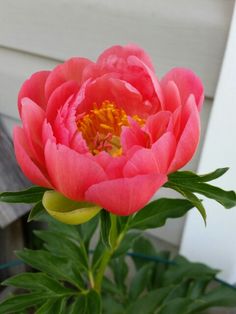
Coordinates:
(101, 128)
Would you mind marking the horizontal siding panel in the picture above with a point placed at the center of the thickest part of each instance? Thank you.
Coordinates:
(184, 33)
(16, 67)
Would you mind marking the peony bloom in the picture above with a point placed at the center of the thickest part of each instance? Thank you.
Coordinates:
(108, 132)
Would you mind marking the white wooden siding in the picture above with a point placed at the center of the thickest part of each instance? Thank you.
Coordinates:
(215, 245)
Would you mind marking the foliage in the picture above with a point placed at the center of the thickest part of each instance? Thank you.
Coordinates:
(69, 272)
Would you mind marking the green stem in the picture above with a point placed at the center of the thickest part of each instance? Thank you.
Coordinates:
(114, 240)
(101, 270)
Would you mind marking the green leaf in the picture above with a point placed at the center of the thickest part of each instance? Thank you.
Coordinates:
(94, 305)
(183, 269)
(126, 243)
(31, 195)
(57, 306)
(120, 271)
(105, 227)
(108, 286)
(111, 306)
(140, 281)
(222, 296)
(157, 212)
(36, 212)
(20, 302)
(58, 267)
(190, 182)
(37, 281)
(89, 303)
(79, 305)
(149, 302)
(142, 246)
(177, 306)
(196, 202)
(186, 176)
(87, 230)
(63, 246)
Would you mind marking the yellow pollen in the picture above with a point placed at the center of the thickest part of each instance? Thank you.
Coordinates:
(101, 128)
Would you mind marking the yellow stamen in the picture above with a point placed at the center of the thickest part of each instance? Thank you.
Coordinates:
(101, 128)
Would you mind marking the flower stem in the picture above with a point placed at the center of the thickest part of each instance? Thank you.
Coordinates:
(103, 265)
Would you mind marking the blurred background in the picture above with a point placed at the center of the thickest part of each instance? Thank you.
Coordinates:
(36, 35)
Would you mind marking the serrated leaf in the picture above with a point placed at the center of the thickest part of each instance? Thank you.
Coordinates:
(36, 212)
(20, 302)
(140, 281)
(37, 281)
(157, 212)
(31, 195)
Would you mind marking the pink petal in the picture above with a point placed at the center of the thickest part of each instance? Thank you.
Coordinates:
(187, 83)
(142, 162)
(23, 156)
(105, 88)
(147, 79)
(115, 57)
(189, 138)
(156, 125)
(33, 118)
(171, 94)
(33, 88)
(59, 97)
(133, 136)
(126, 195)
(71, 173)
(71, 70)
(164, 151)
(152, 161)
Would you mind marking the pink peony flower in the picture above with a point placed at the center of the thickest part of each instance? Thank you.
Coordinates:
(107, 132)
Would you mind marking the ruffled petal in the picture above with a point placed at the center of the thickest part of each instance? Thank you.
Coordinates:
(114, 58)
(187, 83)
(59, 97)
(171, 94)
(71, 173)
(154, 160)
(33, 88)
(157, 124)
(23, 156)
(188, 137)
(126, 195)
(71, 70)
(114, 90)
(33, 118)
(134, 135)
